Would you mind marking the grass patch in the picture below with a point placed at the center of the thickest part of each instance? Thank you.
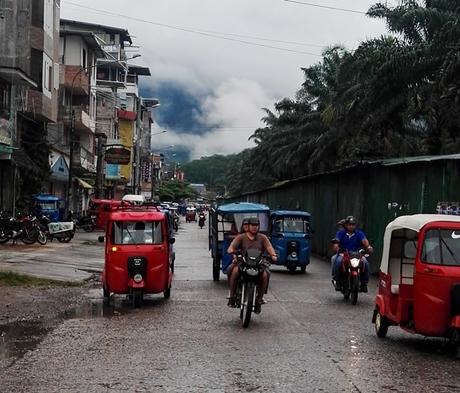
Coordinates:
(12, 279)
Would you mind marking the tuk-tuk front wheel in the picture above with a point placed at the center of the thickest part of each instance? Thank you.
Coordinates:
(303, 268)
(137, 298)
(381, 325)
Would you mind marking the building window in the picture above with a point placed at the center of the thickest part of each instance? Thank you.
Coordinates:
(50, 77)
(4, 100)
(84, 59)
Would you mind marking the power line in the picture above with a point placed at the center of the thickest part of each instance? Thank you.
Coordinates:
(199, 32)
(327, 7)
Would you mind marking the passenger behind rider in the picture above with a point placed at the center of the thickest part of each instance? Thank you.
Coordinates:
(352, 240)
(249, 240)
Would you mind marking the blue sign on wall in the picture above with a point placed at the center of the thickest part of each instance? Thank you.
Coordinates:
(112, 171)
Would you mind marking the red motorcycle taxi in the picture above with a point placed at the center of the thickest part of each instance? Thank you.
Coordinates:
(419, 283)
(138, 253)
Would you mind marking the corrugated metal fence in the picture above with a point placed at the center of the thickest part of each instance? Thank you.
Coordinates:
(375, 193)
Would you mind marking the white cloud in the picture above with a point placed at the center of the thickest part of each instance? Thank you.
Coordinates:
(231, 113)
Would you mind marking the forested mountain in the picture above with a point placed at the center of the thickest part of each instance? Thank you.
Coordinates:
(396, 95)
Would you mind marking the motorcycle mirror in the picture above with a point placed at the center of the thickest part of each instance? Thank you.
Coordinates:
(172, 240)
(101, 239)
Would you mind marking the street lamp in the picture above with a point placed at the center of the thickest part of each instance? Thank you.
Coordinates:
(72, 125)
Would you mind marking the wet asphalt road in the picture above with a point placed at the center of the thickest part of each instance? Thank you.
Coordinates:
(307, 339)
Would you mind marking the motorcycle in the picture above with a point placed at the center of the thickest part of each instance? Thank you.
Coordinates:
(201, 220)
(251, 268)
(176, 222)
(87, 223)
(25, 229)
(349, 282)
(62, 231)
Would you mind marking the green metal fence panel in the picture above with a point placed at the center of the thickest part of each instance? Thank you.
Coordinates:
(375, 194)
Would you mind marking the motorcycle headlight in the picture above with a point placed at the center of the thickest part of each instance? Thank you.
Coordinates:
(252, 272)
(138, 278)
(354, 262)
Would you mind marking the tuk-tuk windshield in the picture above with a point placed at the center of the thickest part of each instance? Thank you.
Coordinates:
(47, 205)
(291, 224)
(137, 232)
(441, 247)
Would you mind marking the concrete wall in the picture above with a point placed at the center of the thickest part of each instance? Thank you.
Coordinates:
(14, 33)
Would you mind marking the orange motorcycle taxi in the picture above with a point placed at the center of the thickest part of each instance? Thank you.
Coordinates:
(138, 253)
(419, 283)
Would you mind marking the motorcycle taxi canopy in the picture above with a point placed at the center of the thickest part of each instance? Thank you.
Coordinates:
(411, 226)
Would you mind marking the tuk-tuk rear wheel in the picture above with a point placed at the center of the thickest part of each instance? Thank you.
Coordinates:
(106, 294)
(381, 325)
(303, 268)
(167, 293)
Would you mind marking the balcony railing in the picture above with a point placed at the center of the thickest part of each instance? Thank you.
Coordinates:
(81, 83)
(83, 121)
(84, 158)
(88, 160)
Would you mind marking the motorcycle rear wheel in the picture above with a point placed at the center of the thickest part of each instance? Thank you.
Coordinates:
(88, 228)
(248, 303)
(29, 237)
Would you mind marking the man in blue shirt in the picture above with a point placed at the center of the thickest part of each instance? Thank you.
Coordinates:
(350, 239)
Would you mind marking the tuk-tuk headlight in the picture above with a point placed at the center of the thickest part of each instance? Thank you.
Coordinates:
(294, 254)
(138, 278)
(354, 262)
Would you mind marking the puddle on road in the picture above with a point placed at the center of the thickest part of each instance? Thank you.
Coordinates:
(17, 338)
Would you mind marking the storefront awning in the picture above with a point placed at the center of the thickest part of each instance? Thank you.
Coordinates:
(84, 184)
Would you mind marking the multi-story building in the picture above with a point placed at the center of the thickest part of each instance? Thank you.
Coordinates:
(79, 50)
(29, 82)
(96, 109)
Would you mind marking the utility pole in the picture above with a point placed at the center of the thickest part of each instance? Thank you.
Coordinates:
(101, 143)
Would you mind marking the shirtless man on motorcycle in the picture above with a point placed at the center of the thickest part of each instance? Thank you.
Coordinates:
(251, 239)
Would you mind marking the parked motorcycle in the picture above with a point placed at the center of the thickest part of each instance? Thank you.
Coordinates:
(201, 220)
(25, 229)
(62, 231)
(251, 269)
(87, 223)
(176, 222)
(350, 273)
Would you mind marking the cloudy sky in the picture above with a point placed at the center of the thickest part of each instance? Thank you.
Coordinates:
(204, 48)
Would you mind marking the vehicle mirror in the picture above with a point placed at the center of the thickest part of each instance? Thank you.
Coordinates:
(172, 240)
(410, 250)
(101, 239)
